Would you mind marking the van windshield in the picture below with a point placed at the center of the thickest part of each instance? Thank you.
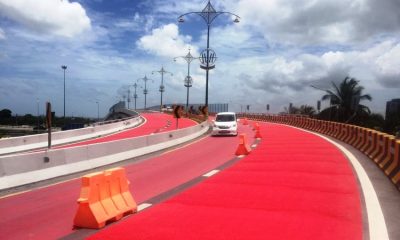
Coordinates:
(225, 118)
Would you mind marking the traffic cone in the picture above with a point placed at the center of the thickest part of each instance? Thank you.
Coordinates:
(256, 127)
(258, 134)
(243, 148)
(245, 121)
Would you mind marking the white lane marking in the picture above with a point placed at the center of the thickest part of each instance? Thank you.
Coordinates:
(143, 206)
(38, 188)
(376, 221)
(209, 174)
(254, 145)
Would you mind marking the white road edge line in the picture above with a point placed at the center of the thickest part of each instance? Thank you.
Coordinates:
(143, 206)
(211, 173)
(376, 221)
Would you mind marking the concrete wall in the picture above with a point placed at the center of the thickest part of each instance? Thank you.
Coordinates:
(27, 168)
(24, 143)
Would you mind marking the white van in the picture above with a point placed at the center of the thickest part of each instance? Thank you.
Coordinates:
(225, 123)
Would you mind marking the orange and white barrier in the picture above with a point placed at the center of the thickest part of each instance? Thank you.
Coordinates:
(104, 197)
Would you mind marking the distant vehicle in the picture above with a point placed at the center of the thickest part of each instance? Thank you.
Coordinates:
(225, 123)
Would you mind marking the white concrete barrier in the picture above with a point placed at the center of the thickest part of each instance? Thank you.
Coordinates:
(26, 168)
(30, 142)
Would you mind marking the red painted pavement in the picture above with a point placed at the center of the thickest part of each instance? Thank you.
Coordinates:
(156, 122)
(293, 186)
(48, 213)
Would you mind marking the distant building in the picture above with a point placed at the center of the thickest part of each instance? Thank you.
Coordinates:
(392, 109)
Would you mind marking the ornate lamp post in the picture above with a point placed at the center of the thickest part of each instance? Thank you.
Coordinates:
(135, 96)
(162, 88)
(64, 67)
(38, 118)
(209, 14)
(129, 95)
(145, 91)
(98, 110)
(188, 79)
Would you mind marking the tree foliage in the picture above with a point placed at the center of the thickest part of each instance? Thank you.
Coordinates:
(345, 101)
(5, 113)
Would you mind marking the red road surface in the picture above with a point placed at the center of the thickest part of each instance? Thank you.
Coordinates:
(48, 213)
(156, 122)
(293, 186)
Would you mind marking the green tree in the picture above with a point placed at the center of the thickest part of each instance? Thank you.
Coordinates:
(345, 101)
(307, 110)
(5, 113)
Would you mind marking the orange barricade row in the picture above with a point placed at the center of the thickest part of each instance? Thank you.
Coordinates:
(345, 132)
(380, 143)
(361, 138)
(104, 197)
(393, 163)
(373, 144)
(389, 156)
(352, 135)
(386, 145)
(367, 142)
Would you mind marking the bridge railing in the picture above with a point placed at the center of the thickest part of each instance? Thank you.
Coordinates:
(29, 142)
(21, 169)
(382, 148)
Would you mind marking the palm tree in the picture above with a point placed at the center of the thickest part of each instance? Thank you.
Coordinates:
(345, 100)
(307, 110)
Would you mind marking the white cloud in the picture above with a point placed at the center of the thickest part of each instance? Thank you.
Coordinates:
(2, 34)
(61, 18)
(166, 42)
(304, 22)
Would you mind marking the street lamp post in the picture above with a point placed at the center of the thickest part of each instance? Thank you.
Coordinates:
(37, 103)
(98, 110)
(188, 79)
(129, 95)
(208, 14)
(145, 91)
(135, 96)
(162, 88)
(64, 67)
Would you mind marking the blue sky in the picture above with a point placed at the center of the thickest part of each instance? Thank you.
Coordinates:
(272, 56)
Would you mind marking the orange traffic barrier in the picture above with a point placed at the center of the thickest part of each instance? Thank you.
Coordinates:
(389, 153)
(119, 188)
(355, 136)
(396, 180)
(373, 143)
(367, 142)
(394, 167)
(383, 154)
(103, 198)
(380, 143)
(337, 130)
(243, 148)
(361, 138)
(344, 131)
